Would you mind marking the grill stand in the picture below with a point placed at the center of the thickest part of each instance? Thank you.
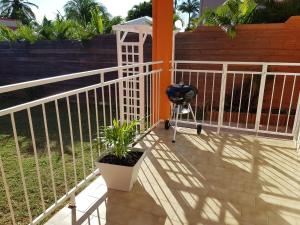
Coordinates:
(181, 109)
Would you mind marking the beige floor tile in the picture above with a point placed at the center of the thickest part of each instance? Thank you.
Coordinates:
(228, 179)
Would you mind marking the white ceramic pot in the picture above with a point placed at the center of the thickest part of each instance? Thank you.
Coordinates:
(120, 177)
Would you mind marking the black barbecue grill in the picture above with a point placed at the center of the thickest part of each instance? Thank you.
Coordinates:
(181, 96)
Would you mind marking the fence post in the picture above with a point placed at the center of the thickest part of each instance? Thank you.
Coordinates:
(296, 126)
(222, 96)
(261, 96)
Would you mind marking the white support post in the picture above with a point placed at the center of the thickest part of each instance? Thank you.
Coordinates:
(120, 75)
(142, 39)
(222, 96)
(261, 96)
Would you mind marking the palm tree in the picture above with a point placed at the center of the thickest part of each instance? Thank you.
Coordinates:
(191, 7)
(142, 9)
(81, 10)
(230, 14)
(17, 9)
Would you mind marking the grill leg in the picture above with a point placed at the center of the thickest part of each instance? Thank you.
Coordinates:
(176, 120)
(193, 115)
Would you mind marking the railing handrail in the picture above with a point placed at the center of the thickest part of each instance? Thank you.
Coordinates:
(50, 80)
(236, 63)
(44, 100)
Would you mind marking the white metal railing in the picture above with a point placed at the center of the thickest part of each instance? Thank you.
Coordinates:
(49, 145)
(250, 96)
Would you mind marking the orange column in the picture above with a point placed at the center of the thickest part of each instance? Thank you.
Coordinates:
(162, 38)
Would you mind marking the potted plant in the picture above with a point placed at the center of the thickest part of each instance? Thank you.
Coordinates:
(119, 165)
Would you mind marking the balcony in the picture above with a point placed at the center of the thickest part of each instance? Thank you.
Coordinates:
(242, 169)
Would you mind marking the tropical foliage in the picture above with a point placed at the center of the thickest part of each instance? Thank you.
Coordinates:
(272, 11)
(17, 9)
(119, 136)
(227, 16)
(140, 10)
(192, 8)
(82, 10)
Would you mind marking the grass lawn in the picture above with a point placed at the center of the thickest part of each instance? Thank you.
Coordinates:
(11, 167)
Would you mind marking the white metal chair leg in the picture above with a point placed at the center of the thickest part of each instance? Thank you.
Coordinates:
(175, 128)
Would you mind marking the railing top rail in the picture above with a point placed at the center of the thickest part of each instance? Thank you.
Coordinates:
(236, 63)
(39, 82)
(51, 98)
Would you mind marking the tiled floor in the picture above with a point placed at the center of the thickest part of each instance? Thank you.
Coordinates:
(207, 179)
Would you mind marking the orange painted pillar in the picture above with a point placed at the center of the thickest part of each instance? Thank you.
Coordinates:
(162, 38)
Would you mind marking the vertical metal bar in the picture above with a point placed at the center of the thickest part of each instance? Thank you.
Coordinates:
(61, 145)
(141, 82)
(7, 193)
(110, 104)
(116, 100)
(151, 106)
(296, 125)
(188, 115)
(261, 96)
(196, 103)
(20, 165)
(291, 102)
(204, 97)
(80, 134)
(89, 127)
(249, 100)
(222, 96)
(120, 75)
(212, 98)
(282, 93)
(271, 103)
(241, 97)
(97, 120)
(231, 100)
(72, 139)
(49, 151)
(103, 100)
(37, 166)
(147, 98)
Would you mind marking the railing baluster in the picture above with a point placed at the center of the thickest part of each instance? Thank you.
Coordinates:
(196, 103)
(103, 100)
(72, 140)
(49, 151)
(204, 97)
(7, 193)
(249, 100)
(97, 120)
(212, 98)
(290, 106)
(13, 123)
(222, 96)
(231, 100)
(37, 166)
(281, 97)
(241, 97)
(80, 134)
(271, 102)
(89, 127)
(61, 145)
(261, 96)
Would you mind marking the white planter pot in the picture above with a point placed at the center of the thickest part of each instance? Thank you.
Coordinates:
(120, 177)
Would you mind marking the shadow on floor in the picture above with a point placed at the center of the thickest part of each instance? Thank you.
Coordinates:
(221, 179)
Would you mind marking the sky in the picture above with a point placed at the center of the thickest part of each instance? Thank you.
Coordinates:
(49, 7)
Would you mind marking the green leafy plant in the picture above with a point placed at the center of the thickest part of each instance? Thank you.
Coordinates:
(26, 33)
(7, 34)
(227, 16)
(119, 136)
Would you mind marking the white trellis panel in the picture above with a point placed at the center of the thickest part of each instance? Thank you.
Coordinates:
(131, 92)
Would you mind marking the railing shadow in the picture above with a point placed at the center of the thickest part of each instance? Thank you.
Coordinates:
(216, 179)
